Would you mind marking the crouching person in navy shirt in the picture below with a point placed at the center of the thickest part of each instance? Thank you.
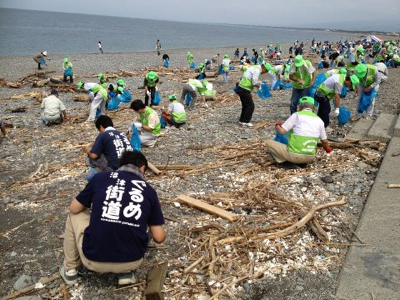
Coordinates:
(107, 149)
(113, 237)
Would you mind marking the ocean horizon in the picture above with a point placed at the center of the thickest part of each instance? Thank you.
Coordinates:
(26, 32)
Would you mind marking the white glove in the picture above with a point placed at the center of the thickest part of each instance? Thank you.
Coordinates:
(157, 88)
(148, 93)
(336, 111)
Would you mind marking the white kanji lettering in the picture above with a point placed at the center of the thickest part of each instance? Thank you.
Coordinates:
(133, 210)
(113, 175)
(111, 210)
(115, 192)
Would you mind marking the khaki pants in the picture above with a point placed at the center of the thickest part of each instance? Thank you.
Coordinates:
(74, 257)
(281, 154)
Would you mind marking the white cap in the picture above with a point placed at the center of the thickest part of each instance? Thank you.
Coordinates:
(44, 53)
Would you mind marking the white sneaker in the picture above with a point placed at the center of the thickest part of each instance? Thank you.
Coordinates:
(248, 124)
(126, 278)
(70, 277)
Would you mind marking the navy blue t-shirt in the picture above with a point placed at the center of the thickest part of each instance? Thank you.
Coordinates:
(111, 143)
(123, 205)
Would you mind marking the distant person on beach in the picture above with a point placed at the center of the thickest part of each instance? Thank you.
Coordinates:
(165, 58)
(189, 57)
(151, 86)
(215, 60)
(53, 109)
(100, 48)
(107, 149)
(306, 129)
(249, 81)
(87, 86)
(111, 221)
(175, 115)
(150, 123)
(226, 64)
(67, 66)
(158, 47)
(103, 79)
(302, 74)
(99, 97)
(236, 54)
(202, 71)
(40, 59)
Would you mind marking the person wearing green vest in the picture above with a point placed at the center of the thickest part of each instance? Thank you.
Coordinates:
(100, 97)
(175, 114)
(192, 87)
(250, 79)
(336, 71)
(305, 129)
(370, 79)
(103, 79)
(189, 57)
(355, 58)
(202, 71)
(329, 90)
(302, 73)
(151, 126)
(67, 66)
(395, 61)
(151, 85)
(226, 64)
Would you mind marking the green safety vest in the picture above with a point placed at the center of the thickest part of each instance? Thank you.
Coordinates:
(67, 65)
(151, 82)
(329, 94)
(370, 77)
(198, 85)
(245, 82)
(190, 58)
(303, 145)
(144, 118)
(303, 74)
(179, 117)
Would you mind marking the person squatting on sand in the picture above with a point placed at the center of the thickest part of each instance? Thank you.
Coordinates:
(53, 109)
(305, 129)
(175, 115)
(112, 237)
(107, 149)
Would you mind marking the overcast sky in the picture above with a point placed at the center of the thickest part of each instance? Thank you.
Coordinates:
(347, 14)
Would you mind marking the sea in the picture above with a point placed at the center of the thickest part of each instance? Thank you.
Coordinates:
(26, 32)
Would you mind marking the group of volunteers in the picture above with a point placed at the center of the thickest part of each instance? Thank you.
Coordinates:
(113, 236)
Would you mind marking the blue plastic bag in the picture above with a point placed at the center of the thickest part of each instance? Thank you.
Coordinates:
(166, 63)
(264, 93)
(157, 98)
(235, 88)
(260, 60)
(113, 104)
(68, 72)
(320, 79)
(281, 138)
(252, 59)
(344, 115)
(163, 122)
(277, 85)
(201, 76)
(286, 86)
(135, 140)
(193, 65)
(366, 100)
(344, 92)
(232, 68)
(220, 70)
(320, 65)
(188, 99)
(127, 95)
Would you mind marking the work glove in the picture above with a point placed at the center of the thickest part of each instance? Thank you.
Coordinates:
(328, 150)
(148, 93)
(157, 88)
(336, 113)
(278, 123)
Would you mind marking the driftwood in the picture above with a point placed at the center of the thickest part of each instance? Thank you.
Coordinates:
(153, 168)
(208, 208)
(300, 223)
(316, 228)
(155, 282)
(81, 98)
(393, 185)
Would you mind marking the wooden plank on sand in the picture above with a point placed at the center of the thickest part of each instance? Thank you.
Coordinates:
(155, 282)
(208, 208)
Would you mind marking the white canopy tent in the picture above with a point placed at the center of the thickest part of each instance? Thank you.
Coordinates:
(371, 39)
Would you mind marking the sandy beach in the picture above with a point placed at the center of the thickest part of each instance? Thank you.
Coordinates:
(42, 169)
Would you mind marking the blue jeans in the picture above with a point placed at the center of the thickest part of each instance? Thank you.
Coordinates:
(296, 95)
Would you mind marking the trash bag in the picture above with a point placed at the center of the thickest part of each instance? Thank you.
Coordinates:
(127, 95)
(277, 85)
(252, 59)
(366, 100)
(264, 92)
(286, 86)
(157, 98)
(188, 99)
(98, 112)
(281, 138)
(232, 68)
(192, 65)
(163, 122)
(166, 63)
(220, 70)
(68, 72)
(344, 92)
(235, 88)
(113, 104)
(344, 115)
(320, 79)
(260, 60)
(135, 139)
(320, 65)
(201, 76)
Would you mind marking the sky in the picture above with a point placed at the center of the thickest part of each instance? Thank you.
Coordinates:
(336, 14)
